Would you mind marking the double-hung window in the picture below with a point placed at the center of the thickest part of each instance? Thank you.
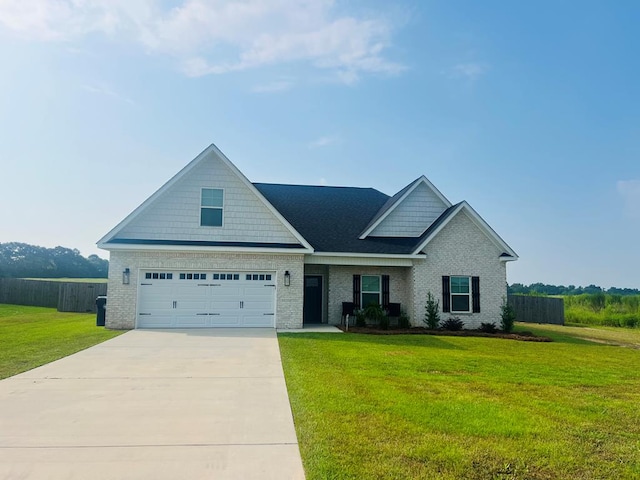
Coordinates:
(460, 294)
(211, 207)
(370, 292)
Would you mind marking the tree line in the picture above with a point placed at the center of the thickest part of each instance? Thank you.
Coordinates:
(21, 260)
(544, 289)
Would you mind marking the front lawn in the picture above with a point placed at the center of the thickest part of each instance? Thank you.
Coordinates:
(414, 406)
(33, 336)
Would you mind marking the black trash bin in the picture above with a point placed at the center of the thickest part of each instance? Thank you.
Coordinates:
(101, 307)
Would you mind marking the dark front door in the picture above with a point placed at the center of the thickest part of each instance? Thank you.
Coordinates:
(312, 299)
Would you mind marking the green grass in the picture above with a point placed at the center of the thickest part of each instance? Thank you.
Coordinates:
(413, 406)
(33, 336)
(603, 309)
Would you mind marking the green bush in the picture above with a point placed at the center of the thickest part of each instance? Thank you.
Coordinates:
(432, 314)
(376, 315)
(403, 320)
(453, 324)
(507, 316)
(488, 327)
(361, 319)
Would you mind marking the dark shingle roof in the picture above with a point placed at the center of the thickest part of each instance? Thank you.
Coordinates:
(332, 218)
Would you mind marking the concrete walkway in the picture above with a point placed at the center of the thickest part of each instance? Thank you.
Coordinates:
(179, 404)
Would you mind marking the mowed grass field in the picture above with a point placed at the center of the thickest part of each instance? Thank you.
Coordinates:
(413, 406)
(33, 336)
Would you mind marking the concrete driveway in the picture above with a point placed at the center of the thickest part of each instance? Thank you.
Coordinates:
(179, 404)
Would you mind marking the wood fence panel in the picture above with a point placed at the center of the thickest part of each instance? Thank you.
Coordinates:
(65, 296)
(80, 297)
(537, 309)
(35, 293)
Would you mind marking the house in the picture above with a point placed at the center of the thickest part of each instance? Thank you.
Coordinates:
(212, 249)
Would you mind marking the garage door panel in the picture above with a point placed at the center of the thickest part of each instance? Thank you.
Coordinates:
(257, 320)
(200, 300)
(191, 321)
(226, 320)
(155, 321)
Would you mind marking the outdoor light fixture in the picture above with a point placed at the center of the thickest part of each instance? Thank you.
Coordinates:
(287, 278)
(126, 276)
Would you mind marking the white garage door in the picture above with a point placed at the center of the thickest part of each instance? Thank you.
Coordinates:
(189, 299)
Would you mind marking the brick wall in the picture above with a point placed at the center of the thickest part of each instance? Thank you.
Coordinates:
(122, 299)
(461, 248)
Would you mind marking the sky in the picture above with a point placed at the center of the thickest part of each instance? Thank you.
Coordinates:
(529, 111)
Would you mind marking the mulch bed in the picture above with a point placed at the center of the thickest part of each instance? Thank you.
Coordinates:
(520, 336)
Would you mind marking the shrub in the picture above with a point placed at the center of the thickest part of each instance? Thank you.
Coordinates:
(507, 316)
(453, 324)
(403, 320)
(631, 322)
(488, 327)
(431, 315)
(375, 314)
(361, 319)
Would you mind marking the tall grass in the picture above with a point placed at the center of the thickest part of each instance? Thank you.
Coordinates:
(603, 309)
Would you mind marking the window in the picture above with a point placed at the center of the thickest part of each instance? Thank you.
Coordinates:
(211, 206)
(370, 290)
(460, 294)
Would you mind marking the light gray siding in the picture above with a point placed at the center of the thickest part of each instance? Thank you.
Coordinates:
(412, 216)
(175, 215)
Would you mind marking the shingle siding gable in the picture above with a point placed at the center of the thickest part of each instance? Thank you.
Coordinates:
(412, 216)
(175, 215)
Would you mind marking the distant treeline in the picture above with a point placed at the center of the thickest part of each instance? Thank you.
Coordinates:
(21, 260)
(544, 289)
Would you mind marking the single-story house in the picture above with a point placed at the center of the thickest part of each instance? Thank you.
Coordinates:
(212, 249)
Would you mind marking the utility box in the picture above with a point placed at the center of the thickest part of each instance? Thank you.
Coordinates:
(101, 308)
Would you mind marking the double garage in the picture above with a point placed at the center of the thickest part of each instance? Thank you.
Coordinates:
(204, 299)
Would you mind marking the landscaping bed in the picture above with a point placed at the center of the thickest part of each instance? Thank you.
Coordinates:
(521, 336)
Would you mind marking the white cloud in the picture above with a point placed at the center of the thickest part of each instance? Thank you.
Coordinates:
(105, 90)
(630, 192)
(324, 142)
(470, 71)
(217, 36)
(276, 86)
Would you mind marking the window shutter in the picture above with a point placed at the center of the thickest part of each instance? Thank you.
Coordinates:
(385, 291)
(356, 291)
(475, 294)
(446, 294)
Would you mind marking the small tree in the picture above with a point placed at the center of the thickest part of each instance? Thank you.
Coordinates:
(432, 315)
(507, 316)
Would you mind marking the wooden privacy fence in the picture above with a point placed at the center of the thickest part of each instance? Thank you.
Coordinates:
(65, 296)
(537, 309)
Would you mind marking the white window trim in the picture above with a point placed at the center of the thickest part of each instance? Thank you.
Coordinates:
(217, 208)
(379, 292)
(451, 294)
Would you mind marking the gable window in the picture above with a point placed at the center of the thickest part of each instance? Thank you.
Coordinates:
(370, 292)
(460, 294)
(211, 206)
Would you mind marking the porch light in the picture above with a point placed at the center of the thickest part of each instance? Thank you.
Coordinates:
(287, 278)
(126, 276)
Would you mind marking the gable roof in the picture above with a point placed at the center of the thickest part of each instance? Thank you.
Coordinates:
(211, 150)
(397, 199)
(442, 221)
(331, 218)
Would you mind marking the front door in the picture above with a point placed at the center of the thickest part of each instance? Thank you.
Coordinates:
(312, 299)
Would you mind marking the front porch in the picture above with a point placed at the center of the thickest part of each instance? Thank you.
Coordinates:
(326, 287)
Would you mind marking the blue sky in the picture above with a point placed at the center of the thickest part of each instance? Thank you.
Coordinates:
(527, 110)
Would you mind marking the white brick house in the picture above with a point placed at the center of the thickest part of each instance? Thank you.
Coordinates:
(212, 249)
